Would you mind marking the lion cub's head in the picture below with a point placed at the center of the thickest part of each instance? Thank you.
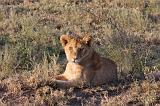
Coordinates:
(77, 49)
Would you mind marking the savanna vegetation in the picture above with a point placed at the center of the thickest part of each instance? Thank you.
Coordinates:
(127, 31)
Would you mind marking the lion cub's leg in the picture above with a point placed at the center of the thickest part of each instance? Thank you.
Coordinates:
(62, 82)
(67, 84)
(61, 77)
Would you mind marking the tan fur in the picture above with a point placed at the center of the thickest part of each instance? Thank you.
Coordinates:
(84, 65)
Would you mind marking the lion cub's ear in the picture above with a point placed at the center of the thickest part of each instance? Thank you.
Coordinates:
(87, 39)
(64, 39)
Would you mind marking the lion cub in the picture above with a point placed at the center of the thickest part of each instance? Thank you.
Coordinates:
(85, 66)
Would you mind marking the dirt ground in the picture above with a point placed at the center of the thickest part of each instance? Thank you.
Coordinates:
(19, 90)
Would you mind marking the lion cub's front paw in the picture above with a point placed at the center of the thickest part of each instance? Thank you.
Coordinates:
(61, 77)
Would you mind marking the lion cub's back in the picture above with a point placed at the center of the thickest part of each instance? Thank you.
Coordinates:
(107, 73)
(111, 68)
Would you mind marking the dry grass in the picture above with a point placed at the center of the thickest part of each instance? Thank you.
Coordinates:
(20, 90)
(126, 31)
